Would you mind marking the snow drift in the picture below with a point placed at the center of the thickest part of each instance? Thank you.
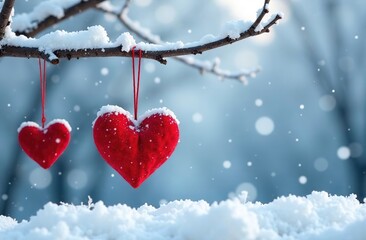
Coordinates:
(316, 216)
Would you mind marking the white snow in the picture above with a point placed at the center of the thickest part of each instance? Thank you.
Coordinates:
(314, 217)
(34, 124)
(7, 223)
(114, 109)
(93, 37)
(126, 40)
(266, 6)
(108, 6)
(44, 9)
(160, 47)
(28, 124)
(281, 14)
(234, 28)
(62, 121)
(96, 36)
(162, 111)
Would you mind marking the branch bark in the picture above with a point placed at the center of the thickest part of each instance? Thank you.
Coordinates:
(5, 15)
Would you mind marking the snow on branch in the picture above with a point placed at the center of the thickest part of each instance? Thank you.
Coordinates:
(47, 14)
(6, 11)
(94, 42)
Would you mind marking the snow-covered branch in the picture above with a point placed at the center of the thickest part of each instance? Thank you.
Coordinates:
(49, 13)
(6, 10)
(94, 42)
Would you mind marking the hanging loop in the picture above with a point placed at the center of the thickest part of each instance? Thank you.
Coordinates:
(136, 83)
(42, 78)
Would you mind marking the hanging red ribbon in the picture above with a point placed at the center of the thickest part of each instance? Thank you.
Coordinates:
(136, 84)
(42, 78)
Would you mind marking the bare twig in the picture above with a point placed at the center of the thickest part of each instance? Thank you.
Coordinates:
(160, 55)
(270, 24)
(5, 15)
(261, 15)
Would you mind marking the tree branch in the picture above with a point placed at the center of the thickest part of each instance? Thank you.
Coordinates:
(165, 50)
(202, 66)
(122, 16)
(52, 20)
(5, 15)
(261, 15)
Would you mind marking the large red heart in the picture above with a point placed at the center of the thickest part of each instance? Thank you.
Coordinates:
(44, 145)
(135, 149)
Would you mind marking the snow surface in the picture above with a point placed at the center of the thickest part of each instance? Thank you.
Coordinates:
(316, 216)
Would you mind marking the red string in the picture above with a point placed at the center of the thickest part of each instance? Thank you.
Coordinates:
(136, 84)
(42, 78)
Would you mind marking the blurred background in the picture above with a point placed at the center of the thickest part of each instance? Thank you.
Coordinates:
(298, 126)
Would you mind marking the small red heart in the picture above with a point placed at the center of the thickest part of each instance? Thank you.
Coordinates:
(135, 149)
(44, 145)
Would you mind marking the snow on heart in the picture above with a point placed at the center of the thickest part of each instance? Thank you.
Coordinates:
(135, 148)
(118, 110)
(44, 145)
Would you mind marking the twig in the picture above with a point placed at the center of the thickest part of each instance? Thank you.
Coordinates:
(5, 15)
(261, 15)
(270, 24)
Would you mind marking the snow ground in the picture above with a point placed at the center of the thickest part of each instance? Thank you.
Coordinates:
(316, 216)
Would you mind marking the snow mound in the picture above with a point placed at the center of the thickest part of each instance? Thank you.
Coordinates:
(316, 216)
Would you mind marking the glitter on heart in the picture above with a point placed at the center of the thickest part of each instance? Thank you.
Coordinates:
(44, 145)
(135, 148)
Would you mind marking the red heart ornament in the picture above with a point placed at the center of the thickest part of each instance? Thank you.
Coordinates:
(44, 145)
(135, 149)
